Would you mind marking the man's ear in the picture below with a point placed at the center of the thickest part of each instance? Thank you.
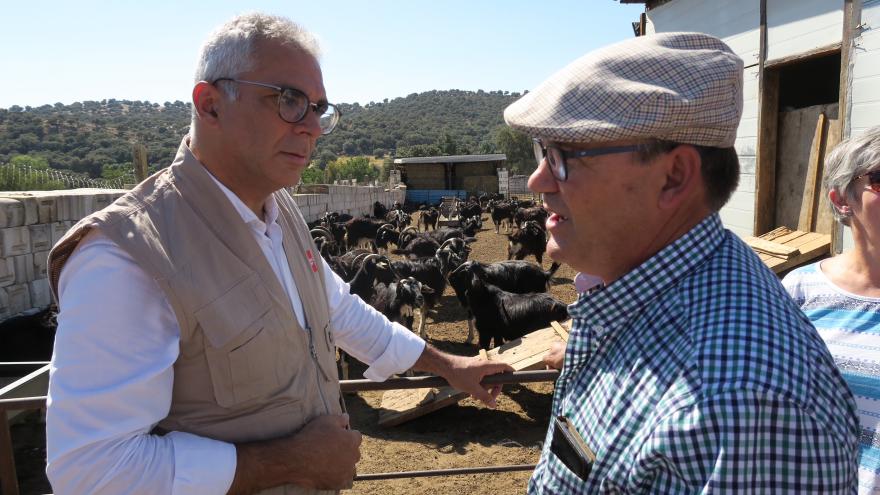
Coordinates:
(683, 176)
(206, 98)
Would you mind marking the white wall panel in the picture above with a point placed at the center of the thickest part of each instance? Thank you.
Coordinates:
(799, 26)
(734, 21)
(865, 89)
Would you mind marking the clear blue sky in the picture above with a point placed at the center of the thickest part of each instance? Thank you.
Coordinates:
(66, 51)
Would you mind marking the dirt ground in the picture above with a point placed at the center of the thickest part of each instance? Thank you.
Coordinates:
(463, 435)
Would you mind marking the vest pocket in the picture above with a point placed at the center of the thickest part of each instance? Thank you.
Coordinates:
(244, 344)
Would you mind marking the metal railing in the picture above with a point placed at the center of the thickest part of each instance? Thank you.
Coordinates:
(9, 480)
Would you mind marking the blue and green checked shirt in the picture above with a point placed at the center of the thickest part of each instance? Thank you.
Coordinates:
(696, 373)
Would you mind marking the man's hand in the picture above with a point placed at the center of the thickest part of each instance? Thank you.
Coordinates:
(322, 456)
(554, 357)
(463, 373)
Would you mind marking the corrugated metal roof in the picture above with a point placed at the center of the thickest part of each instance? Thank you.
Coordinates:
(452, 159)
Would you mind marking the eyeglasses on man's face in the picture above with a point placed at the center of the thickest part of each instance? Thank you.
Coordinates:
(293, 105)
(556, 156)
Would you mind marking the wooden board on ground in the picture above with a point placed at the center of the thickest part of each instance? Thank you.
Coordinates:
(809, 246)
(400, 406)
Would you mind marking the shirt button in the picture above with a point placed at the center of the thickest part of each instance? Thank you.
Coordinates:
(598, 328)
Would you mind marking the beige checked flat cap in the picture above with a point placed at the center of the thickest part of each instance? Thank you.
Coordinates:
(682, 87)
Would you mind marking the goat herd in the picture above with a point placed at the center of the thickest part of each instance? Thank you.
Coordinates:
(504, 300)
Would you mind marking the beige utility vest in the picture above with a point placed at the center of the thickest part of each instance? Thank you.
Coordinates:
(247, 370)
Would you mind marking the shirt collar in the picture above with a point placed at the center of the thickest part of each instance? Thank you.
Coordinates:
(584, 282)
(611, 307)
(270, 208)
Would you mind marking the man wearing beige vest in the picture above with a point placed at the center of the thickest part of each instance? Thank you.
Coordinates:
(197, 326)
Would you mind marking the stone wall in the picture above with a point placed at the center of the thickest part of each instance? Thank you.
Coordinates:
(32, 222)
(316, 199)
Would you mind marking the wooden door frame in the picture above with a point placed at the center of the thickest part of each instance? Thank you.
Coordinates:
(768, 113)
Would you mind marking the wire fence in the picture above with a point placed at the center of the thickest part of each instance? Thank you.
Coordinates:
(16, 177)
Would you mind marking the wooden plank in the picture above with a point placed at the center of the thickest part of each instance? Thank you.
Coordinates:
(824, 222)
(526, 353)
(770, 247)
(815, 248)
(562, 332)
(808, 201)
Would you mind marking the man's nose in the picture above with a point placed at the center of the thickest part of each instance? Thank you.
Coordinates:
(310, 124)
(542, 180)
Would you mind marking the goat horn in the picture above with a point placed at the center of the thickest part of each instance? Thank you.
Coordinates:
(445, 243)
(386, 226)
(409, 228)
(322, 232)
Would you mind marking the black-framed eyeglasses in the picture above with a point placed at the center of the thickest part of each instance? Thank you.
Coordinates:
(873, 180)
(556, 156)
(293, 105)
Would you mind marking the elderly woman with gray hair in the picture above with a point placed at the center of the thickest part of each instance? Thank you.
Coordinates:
(841, 295)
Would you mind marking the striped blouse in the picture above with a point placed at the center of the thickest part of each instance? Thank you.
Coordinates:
(850, 326)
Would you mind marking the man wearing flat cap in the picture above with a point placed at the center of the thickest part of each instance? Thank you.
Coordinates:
(688, 369)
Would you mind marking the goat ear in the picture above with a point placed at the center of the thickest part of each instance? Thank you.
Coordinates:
(469, 240)
(427, 290)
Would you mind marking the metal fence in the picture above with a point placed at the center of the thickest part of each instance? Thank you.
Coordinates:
(15, 177)
(9, 480)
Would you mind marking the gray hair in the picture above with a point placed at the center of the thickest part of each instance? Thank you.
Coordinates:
(851, 158)
(229, 50)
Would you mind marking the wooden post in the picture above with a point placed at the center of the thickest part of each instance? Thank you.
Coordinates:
(8, 478)
(139, 157)
(852, 13)
(765, 155)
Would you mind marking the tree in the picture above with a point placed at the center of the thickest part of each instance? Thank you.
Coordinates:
(518, 148)
(357, 167)
(35, 162)
(312, 175)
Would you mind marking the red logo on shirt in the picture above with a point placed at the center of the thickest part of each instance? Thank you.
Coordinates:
(312, 261)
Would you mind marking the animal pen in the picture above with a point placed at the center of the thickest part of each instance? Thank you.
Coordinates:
(430, 178)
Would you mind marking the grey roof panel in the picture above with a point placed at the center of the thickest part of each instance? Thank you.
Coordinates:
(452, 159)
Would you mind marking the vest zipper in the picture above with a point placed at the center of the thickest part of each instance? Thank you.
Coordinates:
(318, 368)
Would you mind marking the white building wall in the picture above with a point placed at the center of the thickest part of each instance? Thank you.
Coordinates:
(865, 90)
(737, 23)
(799, 26)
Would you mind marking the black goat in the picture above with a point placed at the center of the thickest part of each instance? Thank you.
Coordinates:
(27, 337)
(385, 236)
(512, 276)
(500, 213)
(374, 269)
(502, 316)
(361, 230)
(399, 300)
(530, 239)
(470, 210)
(429, 218)
(398, 218)
(536, 214)
(347, 265)
(379, 210)
(429, 271)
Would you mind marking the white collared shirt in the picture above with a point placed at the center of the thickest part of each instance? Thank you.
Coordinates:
(112, 370)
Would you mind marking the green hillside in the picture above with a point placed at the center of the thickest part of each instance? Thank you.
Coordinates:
(95, 137)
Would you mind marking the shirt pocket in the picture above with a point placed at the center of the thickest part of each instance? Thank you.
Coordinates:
(244, 342)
